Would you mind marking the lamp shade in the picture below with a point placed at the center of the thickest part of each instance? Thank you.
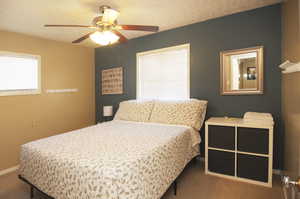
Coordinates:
(104, 38)
(107, 111)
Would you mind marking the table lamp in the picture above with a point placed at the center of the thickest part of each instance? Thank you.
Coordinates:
(107, 111)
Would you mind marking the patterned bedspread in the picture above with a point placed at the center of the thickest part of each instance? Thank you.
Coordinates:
(111, 160)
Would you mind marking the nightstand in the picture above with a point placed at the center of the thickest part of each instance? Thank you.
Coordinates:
(239, 150)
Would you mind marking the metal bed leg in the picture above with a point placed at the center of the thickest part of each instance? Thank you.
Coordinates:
(33, 188)
(175, 187)
(31, 192)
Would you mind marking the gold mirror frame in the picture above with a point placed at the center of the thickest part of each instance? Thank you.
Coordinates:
(260, 70)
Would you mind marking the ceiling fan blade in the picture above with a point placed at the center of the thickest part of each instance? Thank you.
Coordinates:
(70, 26)
(122, 37)
(82, 38)
(139, 28)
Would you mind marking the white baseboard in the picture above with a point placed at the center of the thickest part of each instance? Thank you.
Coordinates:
(9, 170)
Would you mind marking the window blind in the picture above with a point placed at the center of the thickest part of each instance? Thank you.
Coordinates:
(164, 74)
(19, 74)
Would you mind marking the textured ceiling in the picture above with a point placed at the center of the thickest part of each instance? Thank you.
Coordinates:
(29, 16)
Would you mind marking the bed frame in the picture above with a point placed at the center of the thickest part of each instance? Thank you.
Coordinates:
(33, 187)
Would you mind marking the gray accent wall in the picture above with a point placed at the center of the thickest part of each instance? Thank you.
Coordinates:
(259, 27)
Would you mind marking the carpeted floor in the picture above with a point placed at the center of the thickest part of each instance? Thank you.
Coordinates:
(192, 184)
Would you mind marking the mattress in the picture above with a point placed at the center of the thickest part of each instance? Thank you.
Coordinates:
(111, 160)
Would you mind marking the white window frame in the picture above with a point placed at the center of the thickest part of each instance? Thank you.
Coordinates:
(26, 91)
(183, 46)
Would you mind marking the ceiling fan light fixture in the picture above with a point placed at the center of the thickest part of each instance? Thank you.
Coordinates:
(104, 38)
(106, 28)
(110, 15)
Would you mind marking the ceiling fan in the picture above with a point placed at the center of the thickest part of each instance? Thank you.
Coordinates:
(106, 28)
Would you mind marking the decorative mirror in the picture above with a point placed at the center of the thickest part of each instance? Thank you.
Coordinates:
(242, 71)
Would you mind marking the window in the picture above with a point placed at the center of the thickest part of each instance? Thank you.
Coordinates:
(19, 74)
(164, 73)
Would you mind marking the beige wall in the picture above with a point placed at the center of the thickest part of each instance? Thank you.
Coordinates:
(30, 117)
(290, 87)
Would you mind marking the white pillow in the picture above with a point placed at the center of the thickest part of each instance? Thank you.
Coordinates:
(185, 112)
(135, 110)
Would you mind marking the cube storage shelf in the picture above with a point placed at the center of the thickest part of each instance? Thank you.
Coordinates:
(239, 150)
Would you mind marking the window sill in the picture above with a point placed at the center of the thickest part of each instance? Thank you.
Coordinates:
(15, 93)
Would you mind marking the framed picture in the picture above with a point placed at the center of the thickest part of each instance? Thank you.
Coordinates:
(251, 73)
(112, 81)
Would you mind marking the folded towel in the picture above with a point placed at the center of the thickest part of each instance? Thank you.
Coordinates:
(254, 119)
(259, 121)
(286, 65)
(293, 68)
(258, 116)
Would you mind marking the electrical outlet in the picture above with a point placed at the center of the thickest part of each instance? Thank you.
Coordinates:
(34, 123)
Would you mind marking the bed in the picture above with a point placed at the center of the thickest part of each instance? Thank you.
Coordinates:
(122, 159)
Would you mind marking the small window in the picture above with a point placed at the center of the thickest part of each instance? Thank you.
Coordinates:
(19, 74)
(164, 73)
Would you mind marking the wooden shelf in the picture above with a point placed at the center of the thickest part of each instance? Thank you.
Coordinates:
(241, 152)
(218, 149)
